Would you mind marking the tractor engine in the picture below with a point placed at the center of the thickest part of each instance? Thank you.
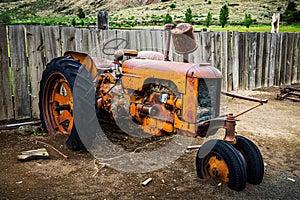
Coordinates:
(167, 97)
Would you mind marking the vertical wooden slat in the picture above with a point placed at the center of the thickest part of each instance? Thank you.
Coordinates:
(36, 64)
(132, 39)
(277, 59)
(235, 60)
(206, 46)
(229, 62)
(266, 58)
(68, 39)
(218, 50)
(98, 39)
(142, 35)
(82, 38)
(6, 108)
(295, 58)
(52, 42)
(20, 75)
(224, 58)
(252, 60)
(283, 57)
(259, 57)
(289, 61)
(272, 59)
(241, 59)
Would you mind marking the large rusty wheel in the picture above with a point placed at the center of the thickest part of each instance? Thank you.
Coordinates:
(56, 97)
(220, 160)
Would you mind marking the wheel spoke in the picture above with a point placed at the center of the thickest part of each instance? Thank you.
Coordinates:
(70, 125)
(61, 98)
(66, 115)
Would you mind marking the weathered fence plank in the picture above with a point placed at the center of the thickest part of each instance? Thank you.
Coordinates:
(241, 59)
(36, 64)
(68, 39)
(6, 108)
(266, 59)
(235, 60)
(229, 62)
(252, 61)
(82, 38)
(206, 46)
(224, 59)
(295, 59)
(272, 59)
(19, 71)
(259, 59)
(289, 61)
(52, 42)
(277, 59)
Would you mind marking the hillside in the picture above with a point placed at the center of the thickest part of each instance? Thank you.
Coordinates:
(261, 10)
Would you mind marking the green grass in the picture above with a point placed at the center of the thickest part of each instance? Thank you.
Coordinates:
(257, 28)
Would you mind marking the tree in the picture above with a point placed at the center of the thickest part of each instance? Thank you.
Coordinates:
(188, 16)
(168, 19)
(291, 14)
(224, 15)
(208, 19)
(248, 21)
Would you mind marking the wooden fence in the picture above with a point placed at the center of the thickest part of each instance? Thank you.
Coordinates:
(247, 60)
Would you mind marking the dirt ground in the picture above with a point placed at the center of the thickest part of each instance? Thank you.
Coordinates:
(274, 127)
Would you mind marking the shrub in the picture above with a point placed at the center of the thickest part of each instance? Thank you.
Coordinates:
(5, 18)
(173, 5)
(73, 22)
(208, 19)
(168, 19)
(224, 15)
(80, 13)
(248, 21)
(188, 16)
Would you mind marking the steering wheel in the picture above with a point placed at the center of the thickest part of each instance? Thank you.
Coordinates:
(112, 45)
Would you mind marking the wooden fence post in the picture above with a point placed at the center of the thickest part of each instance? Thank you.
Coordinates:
(20, 72)
(36, 64)
(52, 42)
(272, 59)
(235, 60)
(6, 108)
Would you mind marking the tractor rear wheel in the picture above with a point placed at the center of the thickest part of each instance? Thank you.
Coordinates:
(253, 158)
(56, 97)
(218, 159)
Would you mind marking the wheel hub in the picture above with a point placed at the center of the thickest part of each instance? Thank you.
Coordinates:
(217, 168)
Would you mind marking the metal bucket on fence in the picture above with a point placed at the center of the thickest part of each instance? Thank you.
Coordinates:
(183, 38)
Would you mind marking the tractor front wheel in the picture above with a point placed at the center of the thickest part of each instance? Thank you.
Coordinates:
(218, 159)
(253, 158)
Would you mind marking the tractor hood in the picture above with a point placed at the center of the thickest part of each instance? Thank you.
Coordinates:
(136, 71)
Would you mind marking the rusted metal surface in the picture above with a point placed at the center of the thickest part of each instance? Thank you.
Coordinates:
(289, 93)
(84, 59)
(244, 97)
(168, 28)
(183, 38)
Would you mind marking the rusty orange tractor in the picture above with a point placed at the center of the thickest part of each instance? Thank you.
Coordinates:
(156, 95)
